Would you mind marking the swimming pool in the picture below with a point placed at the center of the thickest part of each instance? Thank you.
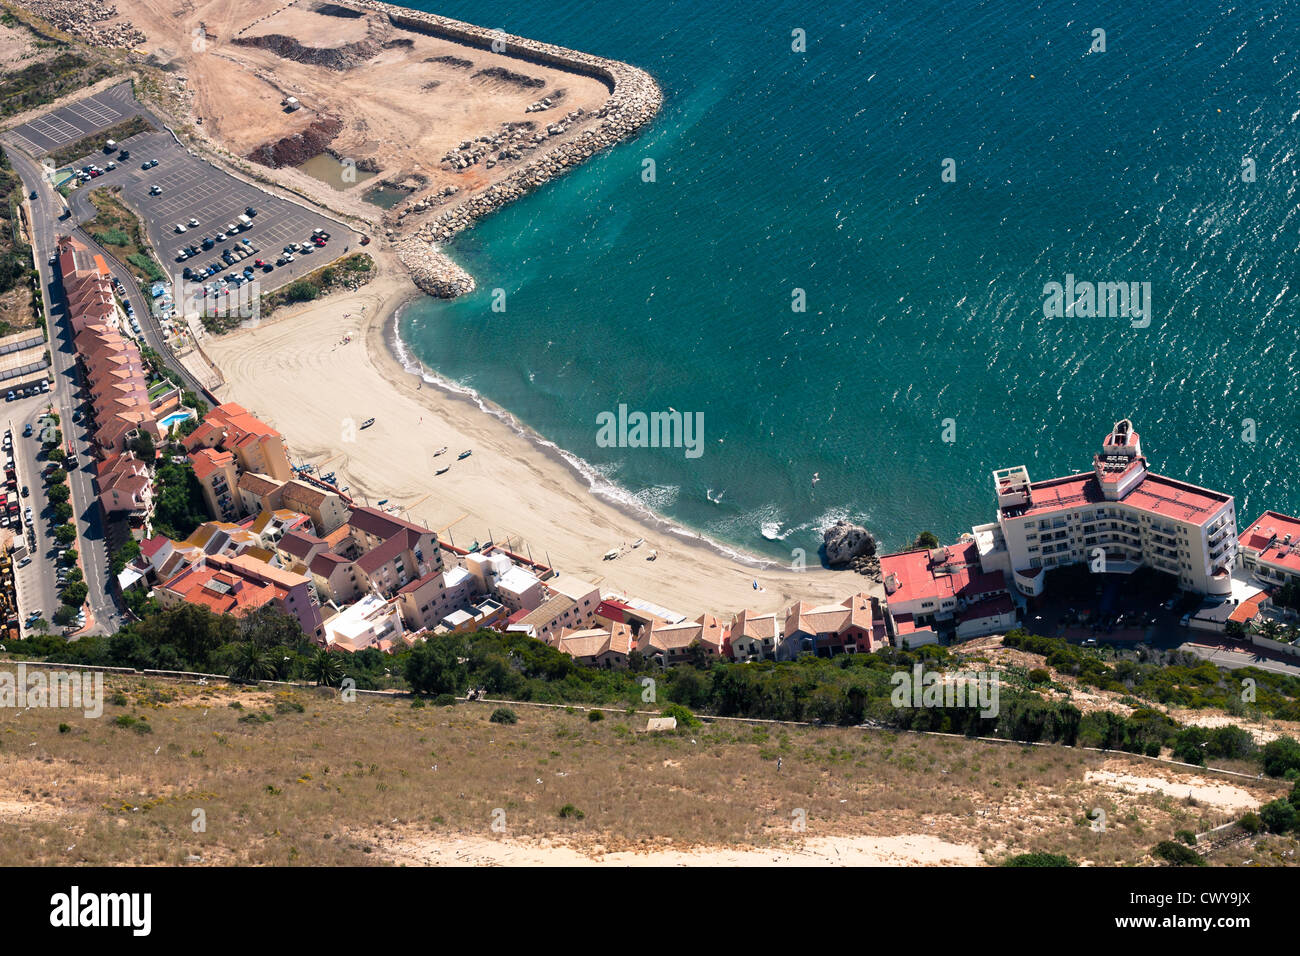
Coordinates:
(175, 418)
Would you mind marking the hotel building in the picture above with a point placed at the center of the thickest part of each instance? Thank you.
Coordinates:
(1117, 518)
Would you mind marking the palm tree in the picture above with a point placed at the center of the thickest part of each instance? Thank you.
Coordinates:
(325, 668)
(1269, 629)
(254, 663)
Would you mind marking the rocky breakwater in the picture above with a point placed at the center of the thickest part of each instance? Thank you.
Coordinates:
(435, 273)
(634, 100)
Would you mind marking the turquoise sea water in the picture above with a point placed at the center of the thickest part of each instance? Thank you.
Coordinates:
(821, 170)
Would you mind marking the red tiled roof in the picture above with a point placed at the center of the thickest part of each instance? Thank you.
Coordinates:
(208, 460)
(151, 546)
(1248, 609)
(1154, 495)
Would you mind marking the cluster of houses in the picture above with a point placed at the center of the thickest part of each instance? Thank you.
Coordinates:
(358, 577)
(116, 378)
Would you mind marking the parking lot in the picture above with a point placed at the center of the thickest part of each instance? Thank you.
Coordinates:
(193, 188)
(1144, 607)
(70, 123)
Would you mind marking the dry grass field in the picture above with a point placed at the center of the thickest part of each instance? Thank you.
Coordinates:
(302, 777)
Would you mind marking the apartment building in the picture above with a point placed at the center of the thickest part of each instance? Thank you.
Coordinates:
(670, 644)
(257, 446)
(607, 647)
(240, 583)
(854, 626)
(374, 551)
(426, 601)
(1116, 518)
(754, 636)
(326, 509)
(118, 386)
(570, 604)
(86, 284)
(216, 472)
(124, 486)
(372, 621)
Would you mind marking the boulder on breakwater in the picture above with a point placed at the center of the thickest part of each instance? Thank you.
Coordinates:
(435, 273)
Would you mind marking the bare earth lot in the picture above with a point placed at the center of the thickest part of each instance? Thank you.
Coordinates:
(303, 777)
(404, 99)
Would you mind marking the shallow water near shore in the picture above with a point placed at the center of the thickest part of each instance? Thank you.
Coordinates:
(820, 171)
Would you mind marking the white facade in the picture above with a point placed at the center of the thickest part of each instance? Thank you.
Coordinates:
(1117, 518)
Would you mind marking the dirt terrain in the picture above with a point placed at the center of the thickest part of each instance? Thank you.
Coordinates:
(184, 774)
(400, 100)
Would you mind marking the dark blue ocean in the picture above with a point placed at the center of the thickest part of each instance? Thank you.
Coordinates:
(778, 170)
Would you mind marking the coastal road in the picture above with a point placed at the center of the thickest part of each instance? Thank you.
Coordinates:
(1234, 658)
(91, 545)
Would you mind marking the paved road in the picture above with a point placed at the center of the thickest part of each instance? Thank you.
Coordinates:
(91, 544)
(1233, 658)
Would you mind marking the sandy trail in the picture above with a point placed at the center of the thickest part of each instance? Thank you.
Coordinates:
(911, 850)
(1222, 796)
(295, 373)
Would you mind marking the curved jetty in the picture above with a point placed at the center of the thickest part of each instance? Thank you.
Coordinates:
(634, 99)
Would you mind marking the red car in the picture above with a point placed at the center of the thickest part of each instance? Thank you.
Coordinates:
(259, 262)
(365, 240)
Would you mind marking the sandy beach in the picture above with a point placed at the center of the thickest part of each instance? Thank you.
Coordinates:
(296, 372)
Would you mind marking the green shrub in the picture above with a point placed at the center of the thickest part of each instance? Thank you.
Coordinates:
(1279, 816)
(1251, 823)
(1039, 859)
(139, 725)
(445, 700)
(595, 716)
(1040, 675)
(683, 716)
(1175, 854)
(504, 715)
(1280, 756)
(570, 812)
